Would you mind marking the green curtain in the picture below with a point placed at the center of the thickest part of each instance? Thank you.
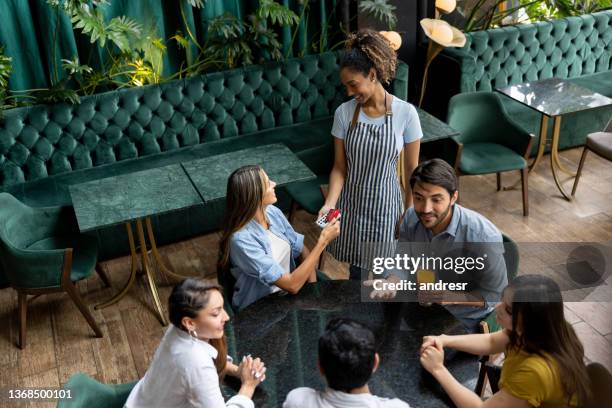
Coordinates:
(28, 29)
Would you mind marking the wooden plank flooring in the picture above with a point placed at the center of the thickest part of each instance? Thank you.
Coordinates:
(60, 343)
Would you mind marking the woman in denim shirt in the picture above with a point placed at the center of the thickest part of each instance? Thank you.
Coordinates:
(258, 245)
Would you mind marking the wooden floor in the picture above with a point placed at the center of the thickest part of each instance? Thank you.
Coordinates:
(60, 343)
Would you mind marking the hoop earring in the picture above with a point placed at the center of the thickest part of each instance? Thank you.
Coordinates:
(194, 335)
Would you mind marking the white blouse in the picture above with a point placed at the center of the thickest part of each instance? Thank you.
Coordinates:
(182, 374)
(281, 252)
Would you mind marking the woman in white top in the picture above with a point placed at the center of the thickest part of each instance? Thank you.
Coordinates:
(258, 246)
(193, 355)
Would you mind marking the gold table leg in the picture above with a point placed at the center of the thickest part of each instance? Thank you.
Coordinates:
(554, 157)
(146, 268)
(149, 273)
(130, 282)
(542, 144)
(156, 255)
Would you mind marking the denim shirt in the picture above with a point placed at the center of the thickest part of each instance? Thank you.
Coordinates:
(252, 264)
(466, 226)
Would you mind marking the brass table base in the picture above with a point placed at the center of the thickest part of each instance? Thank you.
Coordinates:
(555, 162)
(146, 268)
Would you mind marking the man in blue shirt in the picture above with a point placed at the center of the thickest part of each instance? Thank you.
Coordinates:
(451, 234)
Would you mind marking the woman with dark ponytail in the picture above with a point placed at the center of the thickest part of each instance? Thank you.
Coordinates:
(370, 131)
(192, 356)
(544, 365)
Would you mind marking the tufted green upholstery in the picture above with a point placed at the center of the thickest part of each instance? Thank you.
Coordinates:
(44, 149)
(579, 48)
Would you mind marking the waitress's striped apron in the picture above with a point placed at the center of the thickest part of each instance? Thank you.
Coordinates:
(371, 199)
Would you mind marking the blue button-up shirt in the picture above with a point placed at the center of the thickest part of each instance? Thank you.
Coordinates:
(482, 237)
(251, 258)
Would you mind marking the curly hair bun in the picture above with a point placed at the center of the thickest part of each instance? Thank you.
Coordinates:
(378, 51)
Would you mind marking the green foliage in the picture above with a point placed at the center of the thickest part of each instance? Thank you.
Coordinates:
(73, 67)
(548, 9)
(134, 54)
(57, 93)
(232, 43)
(197, 3)
(484, 14)
(278, 14)
(6, 67)
(381, 10)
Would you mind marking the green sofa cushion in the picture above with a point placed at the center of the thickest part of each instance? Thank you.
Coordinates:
(599, 81)
(84, 254)
(484, 158)
(564, 48)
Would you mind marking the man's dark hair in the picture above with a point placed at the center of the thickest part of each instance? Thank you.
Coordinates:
(346, 354)
(436, 172)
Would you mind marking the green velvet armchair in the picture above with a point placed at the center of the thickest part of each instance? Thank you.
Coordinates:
(490, 141)
(41, 251)
(85, 392)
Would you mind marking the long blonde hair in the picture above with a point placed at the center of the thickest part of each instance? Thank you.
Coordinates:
(244, 197)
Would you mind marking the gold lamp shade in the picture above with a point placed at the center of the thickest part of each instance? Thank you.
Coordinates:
(442, 33)
(446, 6)
(394, 39)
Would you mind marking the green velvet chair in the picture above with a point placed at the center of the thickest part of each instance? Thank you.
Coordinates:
(41, 251)
(88, 393)
(489, 141)
(490, 324)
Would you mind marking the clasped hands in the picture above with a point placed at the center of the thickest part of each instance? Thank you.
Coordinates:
(251, 370)
(432, 353)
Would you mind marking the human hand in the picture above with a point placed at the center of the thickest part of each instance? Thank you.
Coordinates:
(431, 341)
(432, 358)
(251, 371)
(380, 294)
(330, 232)
(324, 210)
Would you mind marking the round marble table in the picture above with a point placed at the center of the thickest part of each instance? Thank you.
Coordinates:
(284, 331)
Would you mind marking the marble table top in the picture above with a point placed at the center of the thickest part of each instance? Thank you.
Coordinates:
(555, 97)
(284, 332)
(118, 199)
(433, 128)
(210, 174)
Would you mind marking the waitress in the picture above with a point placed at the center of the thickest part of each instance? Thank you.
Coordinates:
(369, 133)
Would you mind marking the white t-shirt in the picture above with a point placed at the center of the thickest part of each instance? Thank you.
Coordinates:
(305, 397)
(281, 251)
(182, 375)
(406, 124)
